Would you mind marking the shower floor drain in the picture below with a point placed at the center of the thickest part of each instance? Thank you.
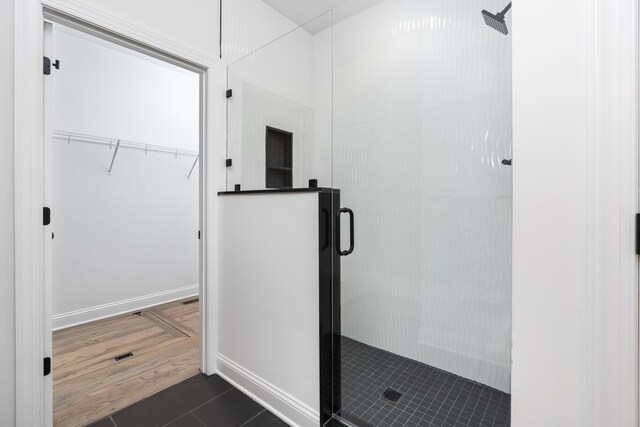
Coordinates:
(391, 394)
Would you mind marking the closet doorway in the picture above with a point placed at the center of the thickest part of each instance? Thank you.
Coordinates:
(123, 188)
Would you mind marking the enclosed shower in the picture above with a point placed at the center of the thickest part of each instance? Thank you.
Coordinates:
(403, 108)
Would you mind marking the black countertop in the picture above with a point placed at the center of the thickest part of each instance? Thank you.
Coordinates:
(281, 190)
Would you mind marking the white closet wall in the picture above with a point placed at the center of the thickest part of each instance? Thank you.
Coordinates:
(128, 239)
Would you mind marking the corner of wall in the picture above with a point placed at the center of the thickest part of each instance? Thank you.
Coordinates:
(7, 256)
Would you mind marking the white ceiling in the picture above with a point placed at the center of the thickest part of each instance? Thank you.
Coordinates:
(303, 11)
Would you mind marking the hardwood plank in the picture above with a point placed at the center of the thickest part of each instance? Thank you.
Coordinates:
(100, 333)
(102, 401)
(89, 384)
(184, 316)
(77, 336)
(165, 326)
(133, 366)
(83, 361)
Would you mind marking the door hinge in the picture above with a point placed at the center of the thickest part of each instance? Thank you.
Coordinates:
(229, 162)
(46, 216)
(638, 234)
(46, 66)
(229, 93)
(47, 366)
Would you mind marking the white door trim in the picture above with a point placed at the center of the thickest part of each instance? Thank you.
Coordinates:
(112, 24)
(575, 298)
(613, 187)
(32, 394)
(47, 120)
(29, 283)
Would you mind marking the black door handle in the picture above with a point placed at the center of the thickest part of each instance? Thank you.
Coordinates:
(326, 226)
(351, 232)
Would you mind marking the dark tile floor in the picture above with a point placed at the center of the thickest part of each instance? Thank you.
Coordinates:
(430, 396)
(197, 402)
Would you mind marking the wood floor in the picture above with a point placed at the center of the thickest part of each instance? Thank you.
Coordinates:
(89, 383)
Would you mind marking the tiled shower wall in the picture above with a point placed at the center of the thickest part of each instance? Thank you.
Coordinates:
(422, 120)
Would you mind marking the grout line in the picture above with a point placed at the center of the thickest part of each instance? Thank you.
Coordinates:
(198, 407)
(255, 416)
(252, 418)
(197, 419)
(212, 399)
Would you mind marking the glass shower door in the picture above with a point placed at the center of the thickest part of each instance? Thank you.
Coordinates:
(279, 111)
(421, 156)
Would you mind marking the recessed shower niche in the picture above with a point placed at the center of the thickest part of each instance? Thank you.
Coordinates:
(279, 161)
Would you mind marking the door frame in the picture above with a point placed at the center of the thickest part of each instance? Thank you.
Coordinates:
(575, 330)
(32, 298)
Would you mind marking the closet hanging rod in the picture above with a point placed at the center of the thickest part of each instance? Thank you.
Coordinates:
(121, 143)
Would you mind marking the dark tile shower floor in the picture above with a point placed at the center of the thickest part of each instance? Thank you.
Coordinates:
(430, 396)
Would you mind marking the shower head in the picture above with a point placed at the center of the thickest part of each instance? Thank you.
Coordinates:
(497, 22)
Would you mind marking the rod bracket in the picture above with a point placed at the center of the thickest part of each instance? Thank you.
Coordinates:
(113, 159)
(193, 166)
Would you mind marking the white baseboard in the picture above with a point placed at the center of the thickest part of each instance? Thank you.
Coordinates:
(86, 315)
(283, 405)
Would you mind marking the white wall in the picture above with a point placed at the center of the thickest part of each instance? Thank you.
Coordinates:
(269, 291)
(191, 26)
(248, 25)
(107, 90)
(131, 234)
(7, 296)
(552, 354)
(575, 293)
